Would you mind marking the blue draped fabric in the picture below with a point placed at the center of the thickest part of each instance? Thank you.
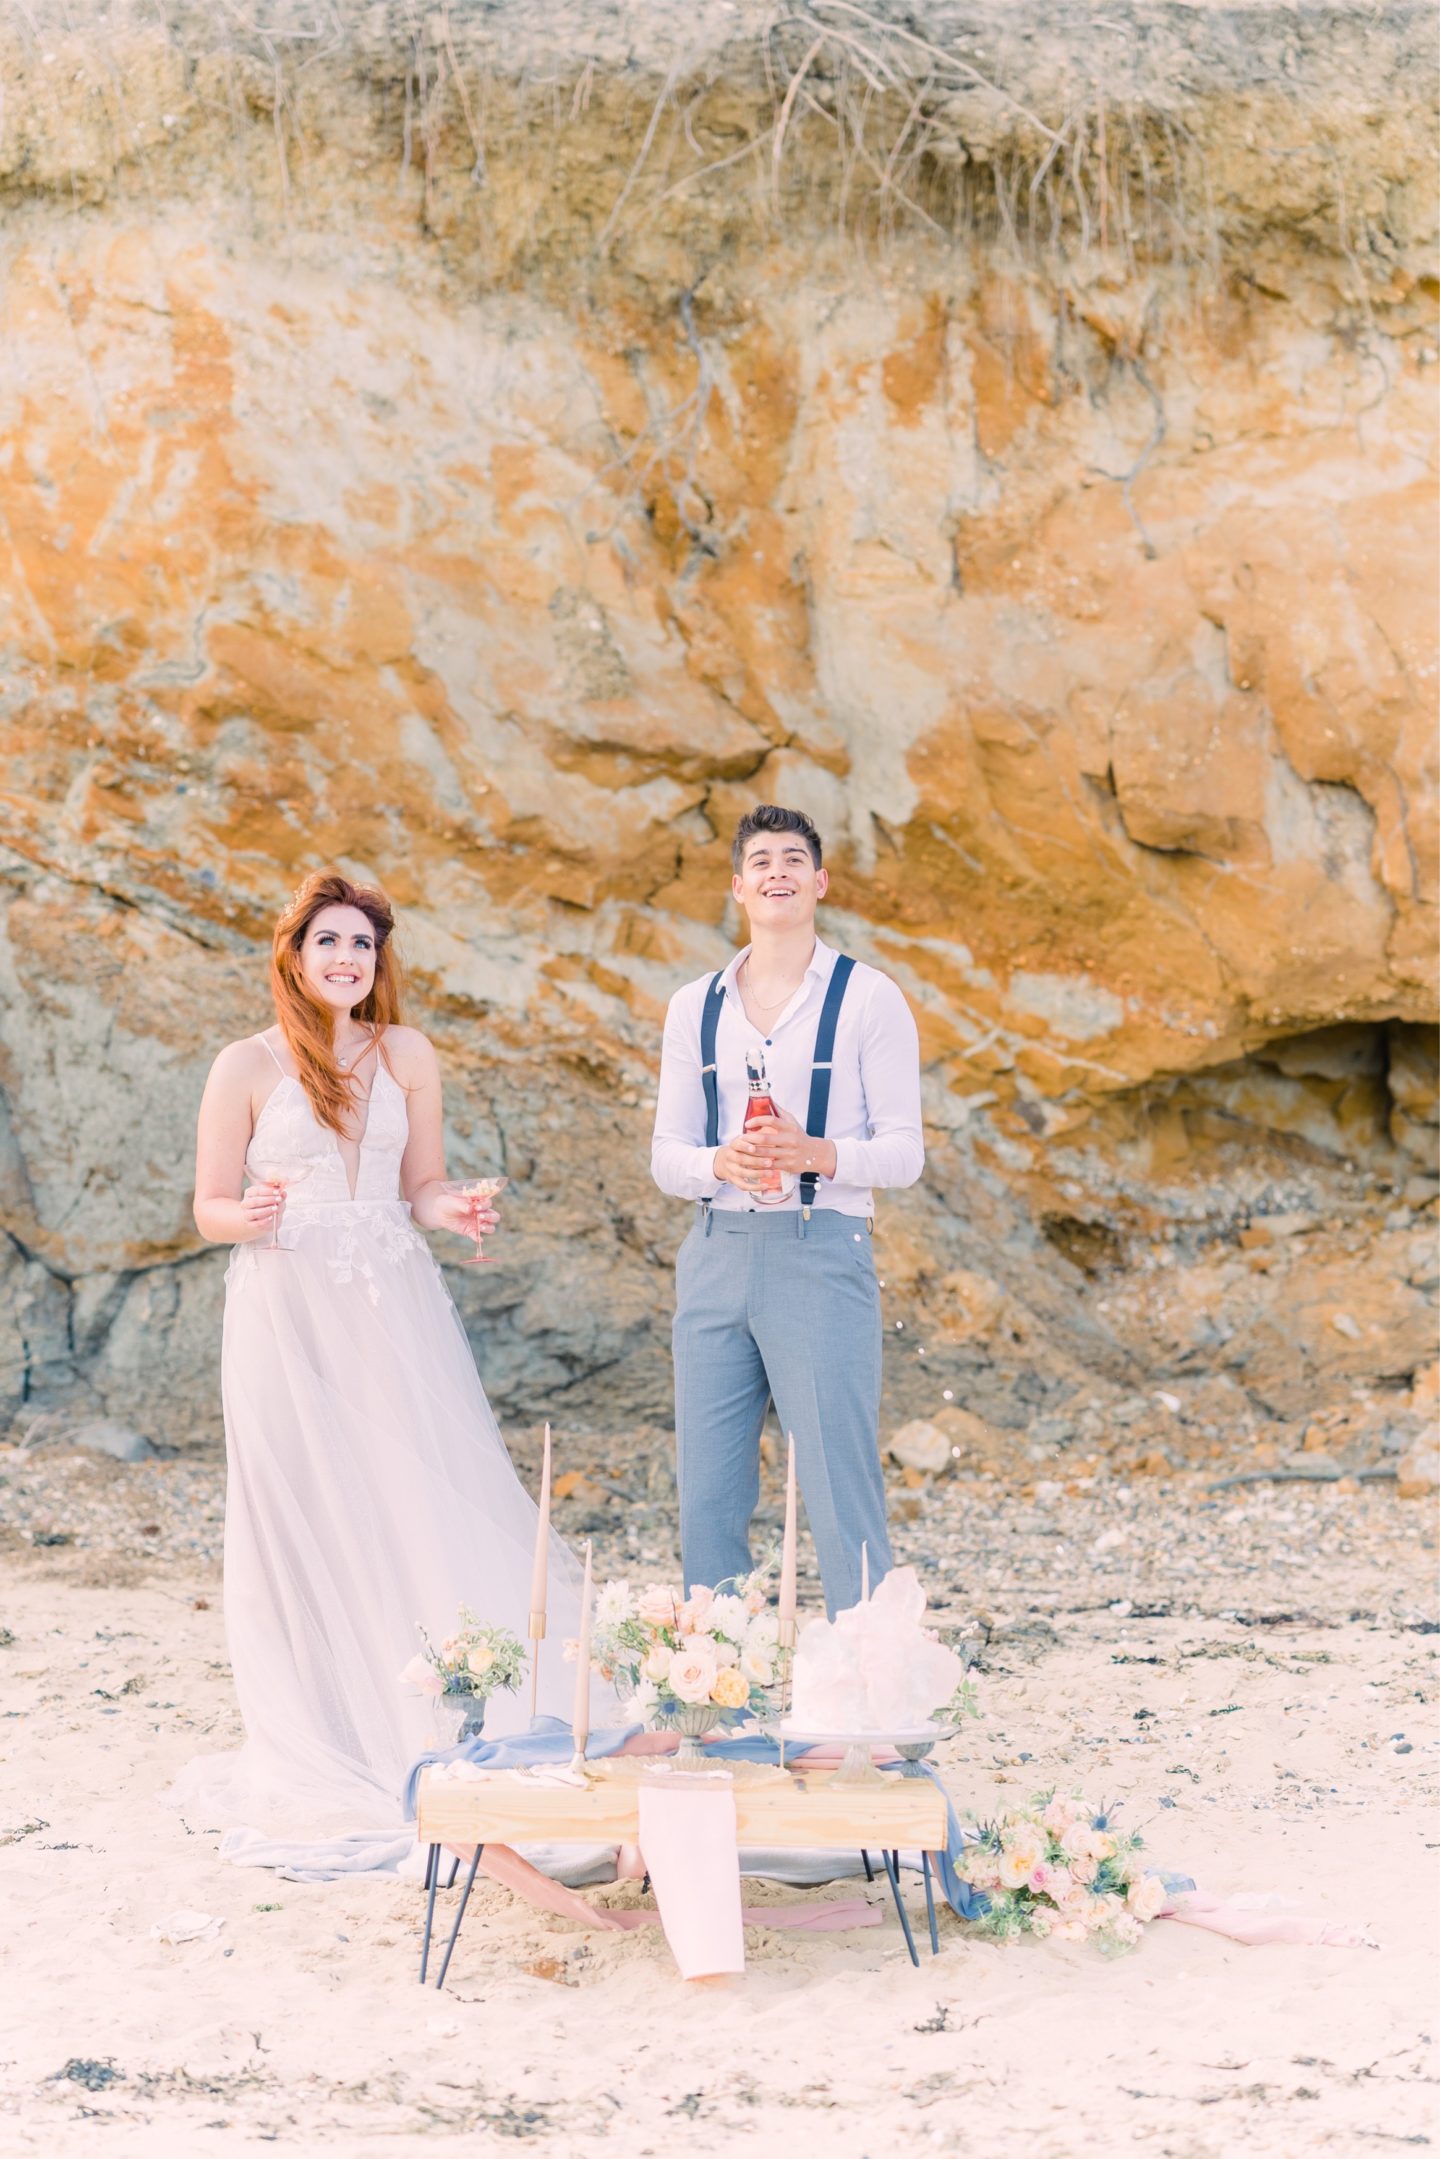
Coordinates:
(549, 1740)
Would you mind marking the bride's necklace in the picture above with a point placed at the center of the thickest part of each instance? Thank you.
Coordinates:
(345, 1062)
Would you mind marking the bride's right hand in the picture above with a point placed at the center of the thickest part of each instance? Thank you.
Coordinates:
(261, 1205)
(467, 1217)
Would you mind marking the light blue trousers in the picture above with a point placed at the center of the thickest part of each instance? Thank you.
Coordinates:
(770, 1307)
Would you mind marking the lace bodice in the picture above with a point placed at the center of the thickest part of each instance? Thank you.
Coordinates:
(287, 1133)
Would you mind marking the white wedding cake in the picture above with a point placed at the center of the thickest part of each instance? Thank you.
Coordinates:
(874, 1668)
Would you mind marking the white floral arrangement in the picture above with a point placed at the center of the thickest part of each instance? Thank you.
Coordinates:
(476, 1659)
(1059, 1868)
(669, 1652)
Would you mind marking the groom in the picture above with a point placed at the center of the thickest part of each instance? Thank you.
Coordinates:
(779, 1302)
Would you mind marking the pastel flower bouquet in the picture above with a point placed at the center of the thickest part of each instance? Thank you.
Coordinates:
(686, 1663)
(476, 1661)
(1058, 1868)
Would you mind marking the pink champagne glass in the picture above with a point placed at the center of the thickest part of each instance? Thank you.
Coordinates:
(294, 1169)
(476, 1189)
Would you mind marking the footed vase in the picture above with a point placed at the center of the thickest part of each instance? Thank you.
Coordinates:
(691, 1720)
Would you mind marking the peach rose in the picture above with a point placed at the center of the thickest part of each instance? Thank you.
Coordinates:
(1079, 1841)
(1146, 1897)
(1023, 1850)
(695, 1611)
(730, 1690)
(657, 1606)
(692, 1673)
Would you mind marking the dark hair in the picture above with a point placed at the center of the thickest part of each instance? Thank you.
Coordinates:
(766, 817)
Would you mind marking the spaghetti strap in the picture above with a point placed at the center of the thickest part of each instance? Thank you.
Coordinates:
(274, 1053)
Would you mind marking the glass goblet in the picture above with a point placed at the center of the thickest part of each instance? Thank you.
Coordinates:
(291, 1170)
(476, 1189)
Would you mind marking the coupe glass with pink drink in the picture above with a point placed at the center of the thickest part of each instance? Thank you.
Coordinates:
(284, 1172)
(477, 1190)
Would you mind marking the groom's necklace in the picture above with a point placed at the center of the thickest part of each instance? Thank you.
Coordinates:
(759, 1001)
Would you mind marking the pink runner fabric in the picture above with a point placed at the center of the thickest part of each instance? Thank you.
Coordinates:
(1259, 1920)
(688, 1836)
(503, 1864)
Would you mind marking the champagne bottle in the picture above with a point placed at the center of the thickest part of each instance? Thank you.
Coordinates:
(779, 1184)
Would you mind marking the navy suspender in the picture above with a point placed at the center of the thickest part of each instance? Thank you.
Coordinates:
(820, 1077)
(819, 1108)
(709, 1026)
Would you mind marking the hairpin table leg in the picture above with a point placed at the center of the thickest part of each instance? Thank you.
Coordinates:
(454, 1870)
(930, 1903)
(432, 1883)
(869, 1870)
(460, 1914)
(893, 1871)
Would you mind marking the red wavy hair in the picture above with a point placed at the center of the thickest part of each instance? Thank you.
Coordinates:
(305, 1022)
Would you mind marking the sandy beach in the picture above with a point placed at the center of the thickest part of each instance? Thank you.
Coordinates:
(1250, 1671)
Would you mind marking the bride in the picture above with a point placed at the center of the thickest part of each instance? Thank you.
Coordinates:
(368, 1486)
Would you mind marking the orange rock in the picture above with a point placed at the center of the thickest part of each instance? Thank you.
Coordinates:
(1129, 783)
(1425, 1393)
(574, 1484)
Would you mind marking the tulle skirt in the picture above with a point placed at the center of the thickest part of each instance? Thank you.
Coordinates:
(368, 1489)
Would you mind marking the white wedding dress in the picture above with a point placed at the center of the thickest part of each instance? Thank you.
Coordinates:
(368, 1489)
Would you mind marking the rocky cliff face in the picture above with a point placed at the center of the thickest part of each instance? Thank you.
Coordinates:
(491, 457)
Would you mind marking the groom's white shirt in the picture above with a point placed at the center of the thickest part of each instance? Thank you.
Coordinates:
(874, 1114)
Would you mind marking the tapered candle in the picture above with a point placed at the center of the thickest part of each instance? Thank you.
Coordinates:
(787, 1555)
(864, 1574)
(580, 1716)
(539, 1578)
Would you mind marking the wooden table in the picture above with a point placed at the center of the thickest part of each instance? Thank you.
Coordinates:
(774, 1808)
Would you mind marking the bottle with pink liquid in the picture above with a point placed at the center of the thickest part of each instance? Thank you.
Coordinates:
(779, 1184)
